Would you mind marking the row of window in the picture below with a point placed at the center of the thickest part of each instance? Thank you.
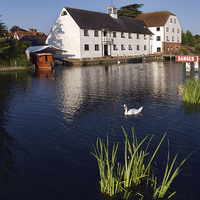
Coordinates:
(178, 40)
(158, 38)
(168, 49)
(167, 29)
(114, 34)
(96, 47)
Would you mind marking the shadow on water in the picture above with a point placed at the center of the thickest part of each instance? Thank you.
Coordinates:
(8, 144)
(191, 109)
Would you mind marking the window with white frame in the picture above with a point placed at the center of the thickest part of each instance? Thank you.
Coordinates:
(122, 35)
(145, 37)
(158, 49)
(122, 47)
(170, 20)
(151, 37)
(167, 38)
(174, 21)
(145, 47)
(86, 33)
(86, 47)
(138, 36)
(96, 33)
(172, 30)
(115, 47)
(167, 29)
(138, 47)
(96, 46)
(129, 36)
(178, 40)
(171, 48)
(129, 47)
(158, 38)
(178, 30)
(114, 34)
(172, 38)
(158, 28)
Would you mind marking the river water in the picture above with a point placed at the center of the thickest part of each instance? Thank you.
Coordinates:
(49, 123)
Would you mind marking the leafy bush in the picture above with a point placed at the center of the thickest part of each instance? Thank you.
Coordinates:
(183, 51)
(84, 63)
(21, 60)
(99, 62)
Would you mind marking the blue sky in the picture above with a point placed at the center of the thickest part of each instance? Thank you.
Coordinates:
(42, 14)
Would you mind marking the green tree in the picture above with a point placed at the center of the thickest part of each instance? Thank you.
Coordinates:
(197, 38)
(191, 39)
(4, 43)
(12, 50)
(184, 39)
(130, 10)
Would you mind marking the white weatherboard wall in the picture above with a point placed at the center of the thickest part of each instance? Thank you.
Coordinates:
(174, 24)
(133, 41)
(65, 34)
(90, 40)
(157, 44)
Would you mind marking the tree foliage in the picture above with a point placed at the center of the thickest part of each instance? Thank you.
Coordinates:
(130, 10)
(191, 39)
(184, 39)
(11, 50)
(197, 38)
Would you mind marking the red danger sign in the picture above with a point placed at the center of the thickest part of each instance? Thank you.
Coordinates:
(187, 58)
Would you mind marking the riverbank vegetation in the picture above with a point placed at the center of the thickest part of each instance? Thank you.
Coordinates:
(193, 42)
(190, 91)
(12, 52)
(135, 179)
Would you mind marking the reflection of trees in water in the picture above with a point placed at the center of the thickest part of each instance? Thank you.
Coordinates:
(6, 141)
(55, 33)
(6, 160)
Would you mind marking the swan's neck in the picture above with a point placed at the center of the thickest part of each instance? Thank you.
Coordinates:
(125, 110)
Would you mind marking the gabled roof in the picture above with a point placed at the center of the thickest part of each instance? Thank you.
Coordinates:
(46, 49)
(98, 21)
(154, 19)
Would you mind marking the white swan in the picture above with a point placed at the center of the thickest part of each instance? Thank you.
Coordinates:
(132, 111)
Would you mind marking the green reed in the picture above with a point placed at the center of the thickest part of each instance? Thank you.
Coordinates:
(160, 190)
(191, 91)
(116, 179)
(110, 180)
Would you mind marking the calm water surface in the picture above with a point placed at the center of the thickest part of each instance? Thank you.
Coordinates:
(48, 126)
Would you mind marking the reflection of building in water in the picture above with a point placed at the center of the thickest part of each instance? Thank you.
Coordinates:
(70, 92)
(90, 87)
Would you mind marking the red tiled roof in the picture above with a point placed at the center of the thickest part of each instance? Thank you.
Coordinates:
(154, 19)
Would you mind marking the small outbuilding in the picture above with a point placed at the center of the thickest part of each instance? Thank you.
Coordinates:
(43, 56)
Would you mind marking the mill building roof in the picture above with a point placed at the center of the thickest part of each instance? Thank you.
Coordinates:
(154, 19)
(98, 21)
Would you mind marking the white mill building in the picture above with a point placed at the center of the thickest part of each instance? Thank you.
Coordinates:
(87, 34)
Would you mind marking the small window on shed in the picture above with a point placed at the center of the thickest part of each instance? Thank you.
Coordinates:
(63, 13)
